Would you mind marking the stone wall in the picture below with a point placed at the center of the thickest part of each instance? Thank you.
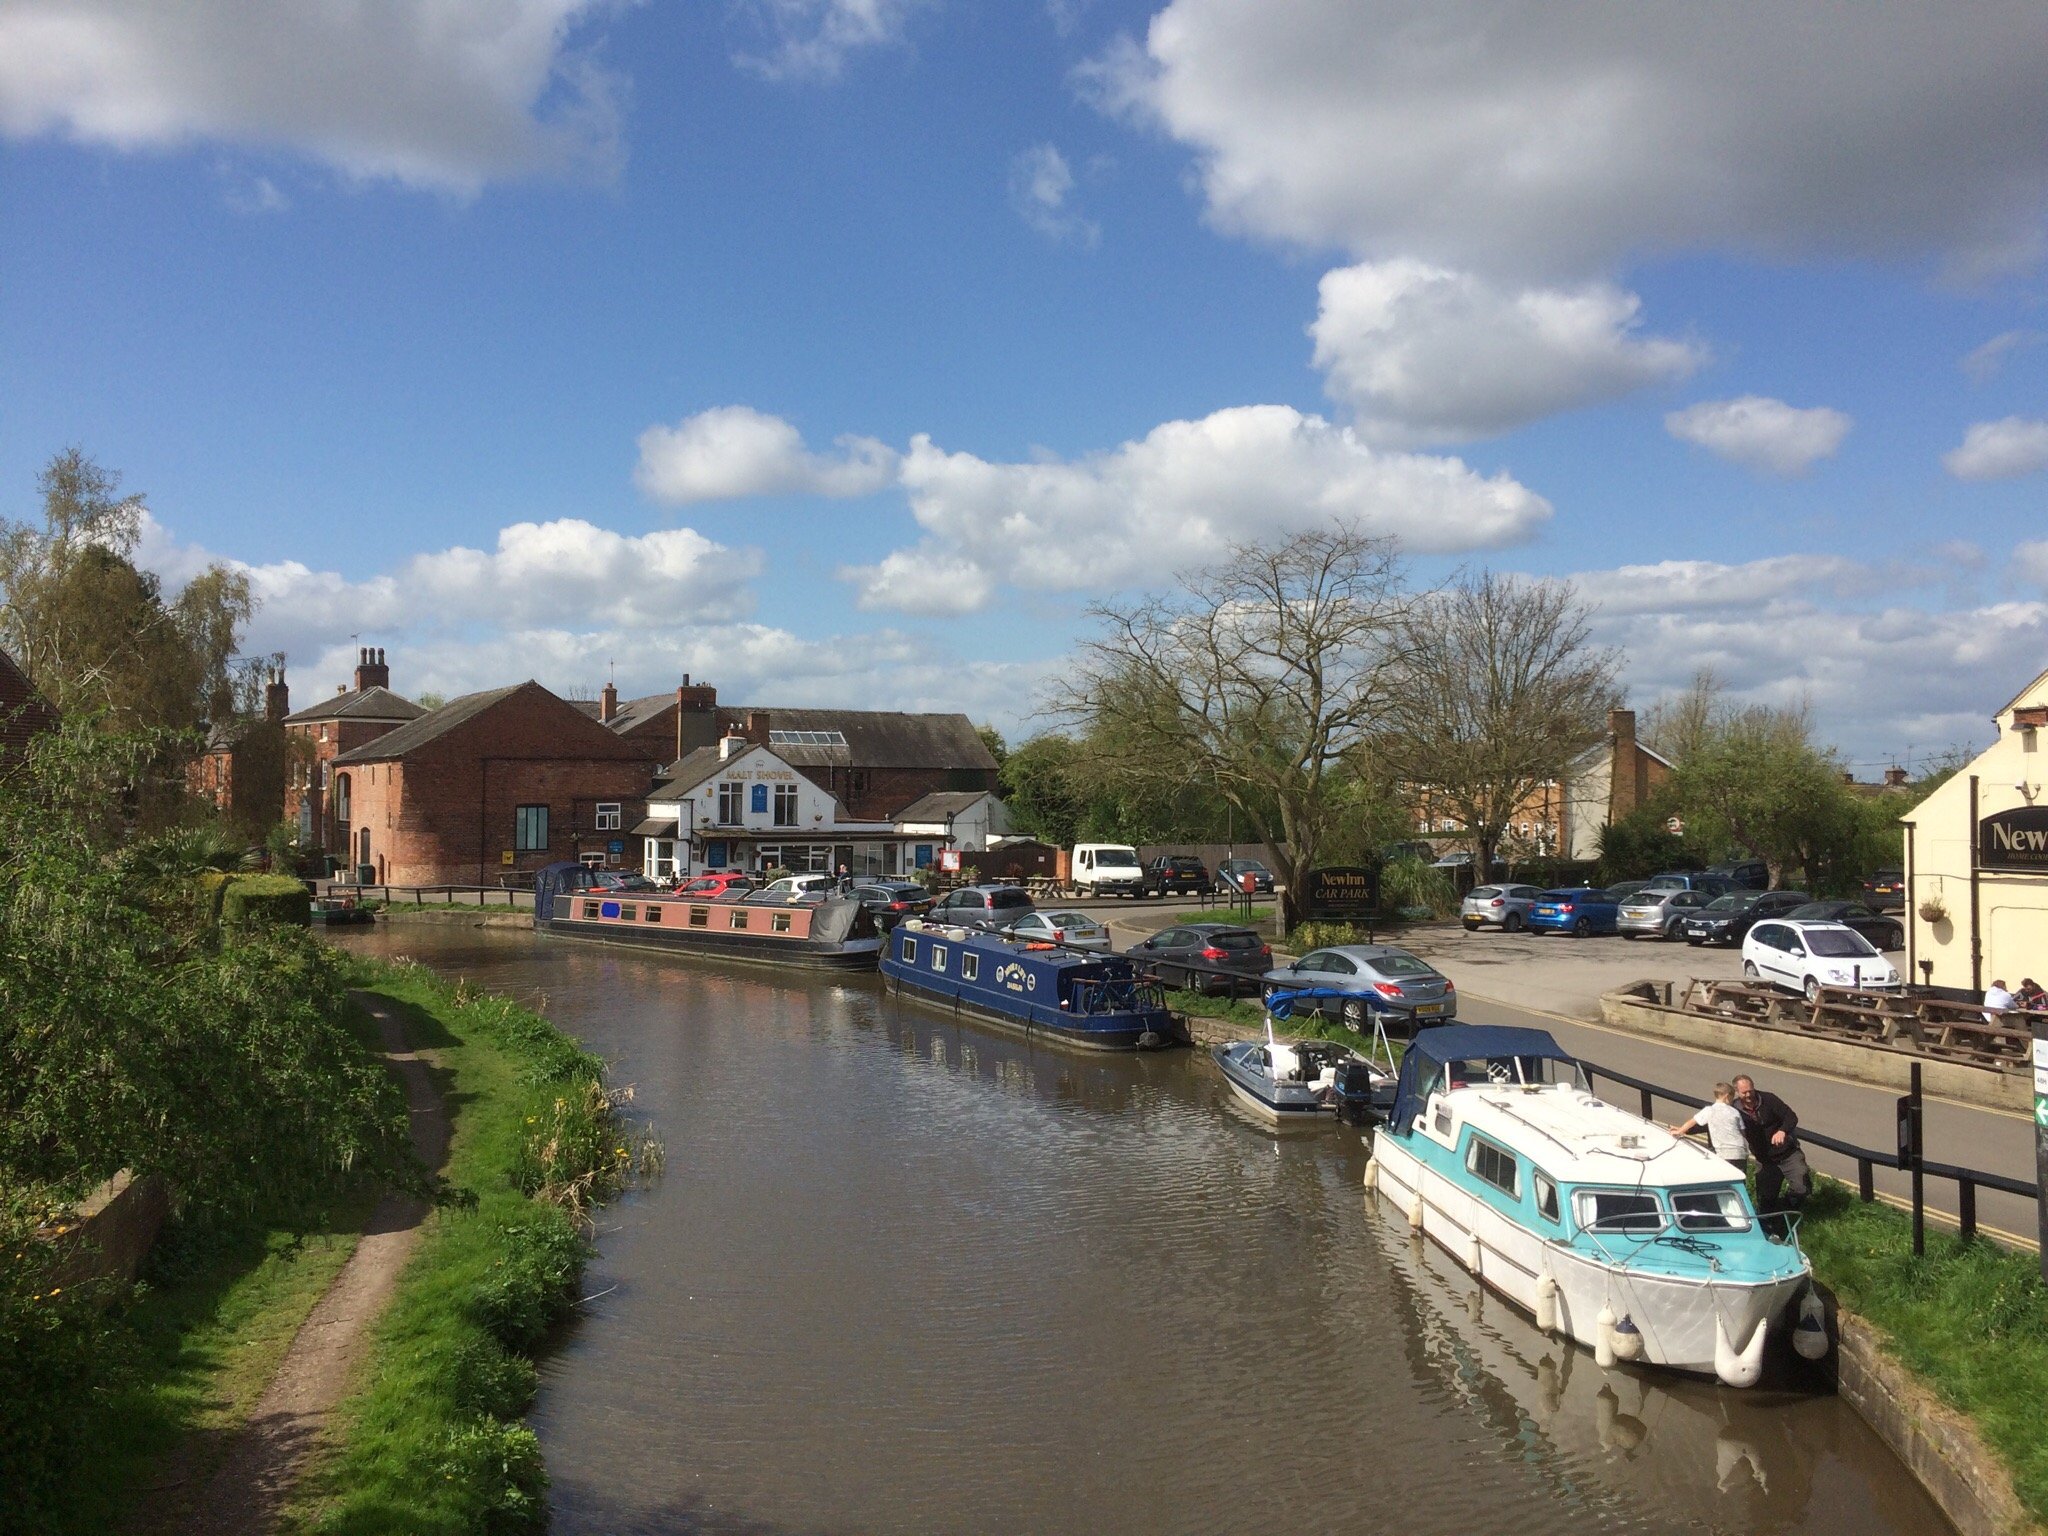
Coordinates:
(111, 1233)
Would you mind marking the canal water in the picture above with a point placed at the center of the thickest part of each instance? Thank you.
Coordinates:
(907, 1276)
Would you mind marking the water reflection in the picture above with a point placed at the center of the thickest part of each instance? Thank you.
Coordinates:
(908, 1275)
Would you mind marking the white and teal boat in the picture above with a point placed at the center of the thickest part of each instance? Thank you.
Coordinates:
(1610, 1230)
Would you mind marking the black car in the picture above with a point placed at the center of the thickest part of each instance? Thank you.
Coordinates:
(1177, 874)
(1887, 933)
(893, 900)
(1885, 891)
(1727, 919)
(1201, 948)
(1744, 875)
(982, 906)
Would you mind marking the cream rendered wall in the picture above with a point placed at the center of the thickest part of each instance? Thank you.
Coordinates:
(2013, 909)
(1586, 798)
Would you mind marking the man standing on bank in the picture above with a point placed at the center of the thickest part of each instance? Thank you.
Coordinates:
(1783, 1181)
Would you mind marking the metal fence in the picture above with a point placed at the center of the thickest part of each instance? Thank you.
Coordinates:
(441, 895)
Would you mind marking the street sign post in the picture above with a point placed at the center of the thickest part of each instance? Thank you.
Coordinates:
(1911, 1150)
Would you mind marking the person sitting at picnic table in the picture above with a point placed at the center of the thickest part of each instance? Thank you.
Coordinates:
(1783, 1181)
(1997, 1000)
(1722, 1122)
(2030, 997)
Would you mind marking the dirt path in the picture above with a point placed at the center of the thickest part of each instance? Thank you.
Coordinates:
(246, 1492)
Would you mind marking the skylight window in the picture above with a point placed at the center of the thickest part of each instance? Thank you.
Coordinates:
(807, 738)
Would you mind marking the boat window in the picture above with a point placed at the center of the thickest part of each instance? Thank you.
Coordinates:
(910, 951)
(1709, 1210)
(590, 909)
(970, 967)
(938, 957)
(1546, 1198)
(629, 912)
(778, 922)
(739, 918)
(1443, 1118)
(1496, 1166)
(653, 913)
(700, 917)
(1618, 1210)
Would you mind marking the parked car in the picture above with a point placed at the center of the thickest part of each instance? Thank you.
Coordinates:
(1885, 891)
(982, 906)
(619, 880)
(1201, 948)
(1621, 890)
(1744, 874)
(1727, 919)
(893, 900)
(1655, 912)
(1231, 872)
(793, 887)
(1076, 930)
(725, 882)
(1505, 907)
(1177, 874)
(1577, 910)
(1804, 957)
(1713, 885)
(1372, 978)
(1887, 933)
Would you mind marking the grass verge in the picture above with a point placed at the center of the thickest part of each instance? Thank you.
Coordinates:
(1222, 910)
(1970, 1319)
(1252, 1017)
(432, 1441)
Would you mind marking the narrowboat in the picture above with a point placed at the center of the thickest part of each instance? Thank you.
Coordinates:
(1608, 1229)
(835, 932)
(1098, 1002)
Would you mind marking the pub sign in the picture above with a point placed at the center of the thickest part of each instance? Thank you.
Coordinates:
(2015, 839)
(1345, 894)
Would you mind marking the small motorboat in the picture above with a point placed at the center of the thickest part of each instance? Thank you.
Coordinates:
(339, 911)
(1297, 1082)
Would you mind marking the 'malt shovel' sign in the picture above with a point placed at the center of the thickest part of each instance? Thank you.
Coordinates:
(2015, 839)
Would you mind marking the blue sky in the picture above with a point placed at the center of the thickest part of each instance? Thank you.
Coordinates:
(845, 350)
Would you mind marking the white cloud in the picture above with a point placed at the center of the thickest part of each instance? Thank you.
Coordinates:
(811, 39)
(1532, 141)
(1041, 183)
(1999, 450)
(1423, 354)
(1762, 433)
(2032, 559)
(1670, 586)
(1983, 363)
(447, 94)
(927, 581)
(734, 450)
(1180, 495)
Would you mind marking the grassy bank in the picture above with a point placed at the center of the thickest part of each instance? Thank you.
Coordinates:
(1970, 1319)
(1249, 1019)
(432, 1441)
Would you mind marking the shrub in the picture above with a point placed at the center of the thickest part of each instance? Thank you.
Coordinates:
(266, 899)
(1410, 885)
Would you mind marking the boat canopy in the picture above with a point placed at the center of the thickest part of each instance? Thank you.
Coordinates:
(1432, 1051)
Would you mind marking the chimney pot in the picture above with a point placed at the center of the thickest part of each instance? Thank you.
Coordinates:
(1894, 778)
(1848, 777)
(608, 704)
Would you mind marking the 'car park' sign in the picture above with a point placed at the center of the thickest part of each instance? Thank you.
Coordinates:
(2015, 839)
(1346, 895)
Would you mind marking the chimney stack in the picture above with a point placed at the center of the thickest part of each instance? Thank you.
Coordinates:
(608, 704)
(1628, 783)
(1848, 776)
(1895, 778)
(277, 699)
(370, 669)
(757, 727)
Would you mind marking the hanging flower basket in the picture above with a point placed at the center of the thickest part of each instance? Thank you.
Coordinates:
(1933, 910)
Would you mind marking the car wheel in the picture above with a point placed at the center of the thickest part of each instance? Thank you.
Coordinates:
(1812, 989)
(1355, 1015)
(1512, 923)
(1750, 972)
(1896, 939)
(1582, 927)
(1695, 940)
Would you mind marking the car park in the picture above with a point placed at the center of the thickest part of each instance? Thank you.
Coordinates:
(1505, 907)
(1886, 932)
(1177, 874)
(1203, 949)
(1577, 910)
(1368, 979)
(982, 906)
(1075, 930)
(1621, 890)
(1655, 912)
(1231, 872)
(1727, 919)
(1684, 880)
(1806, 957)
(1885, 891)
(1744, 874)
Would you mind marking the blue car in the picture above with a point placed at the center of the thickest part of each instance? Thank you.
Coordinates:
(1578, 911)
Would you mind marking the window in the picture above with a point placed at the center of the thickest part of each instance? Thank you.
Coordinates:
(590, 909)
(1709, 1210)
(785, 805)
(630, 912)
(806, 738)
(970, 967)
(938, 957)
(1618, 1210)
(778, 923)
(738, 918)
(731, 796)
(607, 818)
(700, 917)
(909, 952)
(653, 913)
(1495, 1165)
(757, 799)
(1546, 1198)
(590, 860)
(530, 828)
(819, 860)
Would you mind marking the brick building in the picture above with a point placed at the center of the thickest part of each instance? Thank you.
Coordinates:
(491, 785)
(1608, 782)
(23, 712)
(242, 771)
(321, 732)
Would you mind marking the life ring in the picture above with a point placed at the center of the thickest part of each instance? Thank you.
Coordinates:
(1039, 944)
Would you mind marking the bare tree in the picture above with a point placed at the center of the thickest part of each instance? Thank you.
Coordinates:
(1499, 690)
(1261, 677)
(1680, 724)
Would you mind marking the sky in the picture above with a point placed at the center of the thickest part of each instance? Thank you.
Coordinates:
(846, 351)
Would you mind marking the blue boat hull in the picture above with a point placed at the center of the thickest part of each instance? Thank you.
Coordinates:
(1129, 1032)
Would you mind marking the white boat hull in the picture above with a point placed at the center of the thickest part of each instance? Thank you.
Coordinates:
(1685, 1325)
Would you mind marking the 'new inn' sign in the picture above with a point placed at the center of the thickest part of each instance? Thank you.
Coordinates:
(2015, 839)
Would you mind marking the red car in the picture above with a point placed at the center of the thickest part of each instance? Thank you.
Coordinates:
(725, 883)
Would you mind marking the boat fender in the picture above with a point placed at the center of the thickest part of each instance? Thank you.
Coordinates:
(1473, 1253)
(1546, 1304)
(1603, 1338)
(1810, 1332)
(1372, 1173)
(1739, 1367)
(1628, 1339)
(1415, 1211)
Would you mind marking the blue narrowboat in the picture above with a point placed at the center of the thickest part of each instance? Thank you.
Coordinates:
(1099, 1002)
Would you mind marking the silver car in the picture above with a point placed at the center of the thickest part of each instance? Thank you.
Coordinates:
(1505, 907)
(1657, 912)
(1368, 979)
(1076, 930)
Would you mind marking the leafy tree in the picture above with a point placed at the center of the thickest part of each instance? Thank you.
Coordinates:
(993, 740)
(1641, 844)
(1500, 687)
(1755, 783)
(1039, 787)
(1263, 677)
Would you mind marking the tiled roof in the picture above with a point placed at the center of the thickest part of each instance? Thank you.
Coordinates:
(940, 804)
(428, 727)
(359, 704)
(876, 738)
(690, 772)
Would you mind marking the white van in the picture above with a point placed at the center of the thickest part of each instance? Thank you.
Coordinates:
(1105, 869)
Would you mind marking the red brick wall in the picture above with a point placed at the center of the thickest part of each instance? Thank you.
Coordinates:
(309, 755)
(877, 794)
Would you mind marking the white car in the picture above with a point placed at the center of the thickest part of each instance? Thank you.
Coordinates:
(1804, 957)
(796, 887)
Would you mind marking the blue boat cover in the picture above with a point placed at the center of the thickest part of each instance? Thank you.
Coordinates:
(1281, 1004)
(1436, 1048)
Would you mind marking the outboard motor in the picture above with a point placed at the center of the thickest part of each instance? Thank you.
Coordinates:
(1355, 1095)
